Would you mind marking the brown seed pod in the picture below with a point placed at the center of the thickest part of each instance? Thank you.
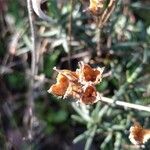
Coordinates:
(139, 135)
(88, 74)
(60, 88)
(65, 79)
(89, 95)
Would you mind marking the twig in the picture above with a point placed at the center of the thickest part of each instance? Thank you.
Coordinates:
(30, 14)
(98, 47)
(125, 104)
(105, 16)
(36, 5)
(70, 34)
(77, 56)
(29, 113)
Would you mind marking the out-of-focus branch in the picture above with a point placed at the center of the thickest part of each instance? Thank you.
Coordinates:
(109, 10)
(37, 9)
(70, 34)
(33, 51)
(98, 47)
(125, 104)
(30, 100)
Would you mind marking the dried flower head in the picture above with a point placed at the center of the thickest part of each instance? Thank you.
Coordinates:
(79, 85)
(139, 135)
(88, 74)
(101, 11)
(63, 80)
(89, 95)
(95, 6)
(60, 88)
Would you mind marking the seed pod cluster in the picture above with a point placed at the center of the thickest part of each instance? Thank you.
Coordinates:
(79, 84)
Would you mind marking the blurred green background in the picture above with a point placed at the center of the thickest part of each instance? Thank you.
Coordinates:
(61, 124)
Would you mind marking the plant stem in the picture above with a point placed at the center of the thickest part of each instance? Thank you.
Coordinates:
(33, 51)
(30, 102)
(125, 104)
(98, 34)
(70, 34)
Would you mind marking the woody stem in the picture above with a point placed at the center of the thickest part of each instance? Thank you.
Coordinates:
(125, 104)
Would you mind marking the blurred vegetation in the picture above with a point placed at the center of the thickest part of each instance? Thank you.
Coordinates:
(125, 52)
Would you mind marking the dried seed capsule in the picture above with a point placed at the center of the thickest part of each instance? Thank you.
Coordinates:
(60, 88)
(88, 74)
(139, 135)
(89, 95)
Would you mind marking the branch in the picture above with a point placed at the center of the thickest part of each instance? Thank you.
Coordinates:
(70, 34)
(125, 104)
(33, 51)
(28, 119)
(37, 9)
